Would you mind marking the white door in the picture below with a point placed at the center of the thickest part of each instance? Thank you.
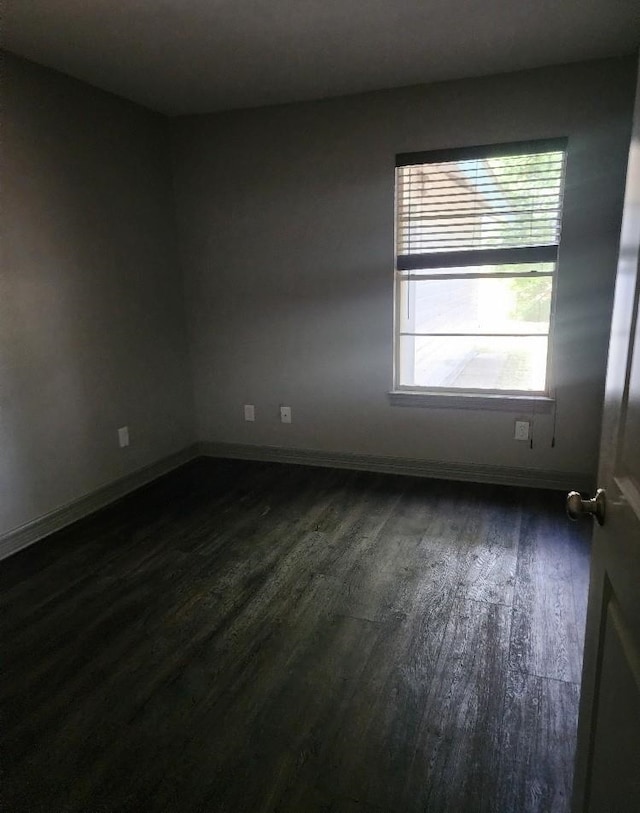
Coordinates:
(607, 778)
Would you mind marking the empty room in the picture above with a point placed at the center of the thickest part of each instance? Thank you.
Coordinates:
(319, 406)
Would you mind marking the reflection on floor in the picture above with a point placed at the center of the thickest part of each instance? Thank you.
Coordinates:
(258, 637)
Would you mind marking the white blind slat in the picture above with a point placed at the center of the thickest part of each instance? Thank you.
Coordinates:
(506, 202)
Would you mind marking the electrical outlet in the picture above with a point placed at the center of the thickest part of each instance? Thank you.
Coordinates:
(285, 414)
(522, 430)
(249, 412)
(123, 436)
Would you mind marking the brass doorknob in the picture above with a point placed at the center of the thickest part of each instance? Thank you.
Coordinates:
(577, 507)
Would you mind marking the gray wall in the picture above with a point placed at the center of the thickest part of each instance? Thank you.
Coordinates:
(91, 312)
(286, 223)
(286, 238)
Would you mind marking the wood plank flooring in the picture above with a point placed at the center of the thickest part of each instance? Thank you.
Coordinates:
(257, 637)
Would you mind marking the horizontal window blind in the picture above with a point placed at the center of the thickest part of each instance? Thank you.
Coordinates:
(472, 208)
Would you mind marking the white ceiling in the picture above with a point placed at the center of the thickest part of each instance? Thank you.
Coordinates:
(194, 56)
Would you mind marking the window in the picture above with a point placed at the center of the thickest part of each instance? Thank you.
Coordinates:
(477, 236)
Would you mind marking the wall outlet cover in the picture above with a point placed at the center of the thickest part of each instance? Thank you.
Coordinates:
(285, 414)
(123, 436)
(249, 412)
(522, 430)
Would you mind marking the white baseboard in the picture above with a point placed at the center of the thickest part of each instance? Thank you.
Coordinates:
(37, 529)
(417, 467)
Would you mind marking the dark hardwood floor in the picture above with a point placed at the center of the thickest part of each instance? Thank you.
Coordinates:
(256, 637)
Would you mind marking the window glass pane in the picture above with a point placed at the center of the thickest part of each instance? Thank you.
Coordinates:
(481, 203)
(525, 268)
(512, 305)
(473, 362)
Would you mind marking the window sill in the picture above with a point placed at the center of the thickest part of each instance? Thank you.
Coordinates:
(452, 400)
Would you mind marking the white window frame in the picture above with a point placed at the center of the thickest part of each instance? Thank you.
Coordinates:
(412, 394)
